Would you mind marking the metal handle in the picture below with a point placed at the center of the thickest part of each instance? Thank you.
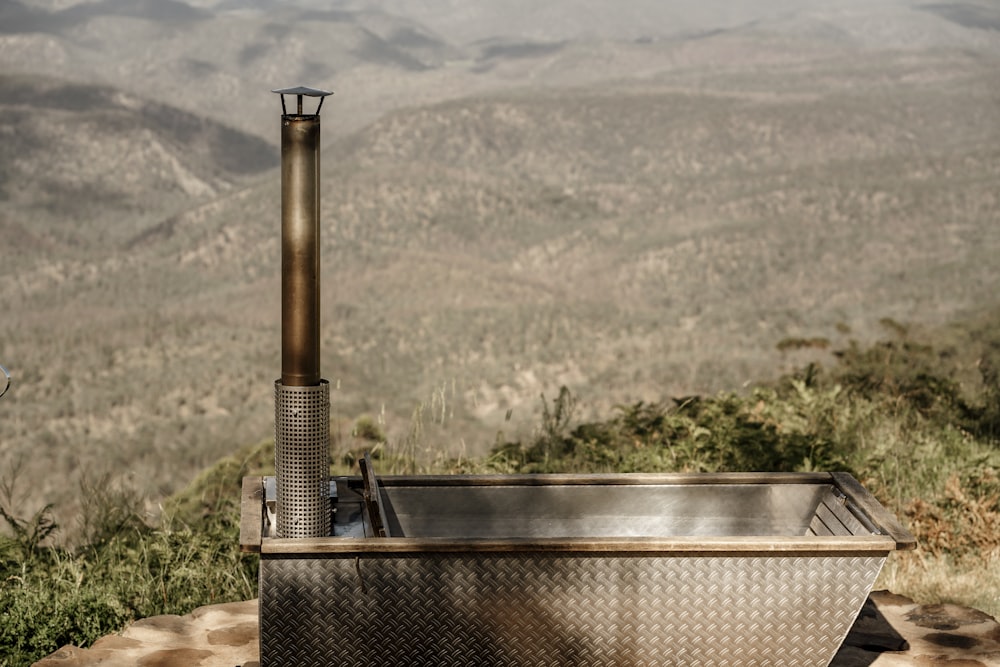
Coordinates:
(376, 513)
(6, 382)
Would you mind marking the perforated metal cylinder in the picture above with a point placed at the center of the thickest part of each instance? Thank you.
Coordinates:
(302, 459)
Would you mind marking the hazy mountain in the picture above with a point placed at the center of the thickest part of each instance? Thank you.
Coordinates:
(967, 15)
(218, 64)
(85, 165)
(464, 21)
(219, 58)
(19, 17)
(512, 201)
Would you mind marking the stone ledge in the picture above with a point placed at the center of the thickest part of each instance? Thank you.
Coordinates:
(222, 634)
(893, 630)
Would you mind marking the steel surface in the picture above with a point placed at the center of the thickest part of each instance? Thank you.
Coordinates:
(537, 609)
(559, 591)
(300, 250)
(302, 460)
(601, 510)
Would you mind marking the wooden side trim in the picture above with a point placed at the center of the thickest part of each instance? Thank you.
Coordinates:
(864, 502)
(251, 514)
(609, 479)
(835, 504)
(833, 518)
(830, 520)
(819, 528)
(789, 546)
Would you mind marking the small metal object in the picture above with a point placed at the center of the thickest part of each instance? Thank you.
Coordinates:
(300, 92)
(6, 385)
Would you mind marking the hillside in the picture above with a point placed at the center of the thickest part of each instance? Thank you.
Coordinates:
(217, 58)
(634, 219)
(74, 157)
(214, 64)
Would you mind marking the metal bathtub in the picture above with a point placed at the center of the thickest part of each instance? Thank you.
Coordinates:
(630, 569)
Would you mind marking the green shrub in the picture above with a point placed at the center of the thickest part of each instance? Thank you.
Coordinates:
(125, 569)
(791, 430)
(42, 609)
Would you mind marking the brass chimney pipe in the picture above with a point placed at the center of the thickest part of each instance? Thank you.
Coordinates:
(300, 247)
(301, 396)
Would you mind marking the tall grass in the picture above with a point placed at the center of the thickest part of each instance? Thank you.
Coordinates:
(123, 569)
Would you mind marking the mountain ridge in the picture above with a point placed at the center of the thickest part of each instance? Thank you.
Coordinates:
(78, 153)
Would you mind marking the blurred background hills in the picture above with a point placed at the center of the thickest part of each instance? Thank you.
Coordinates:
(636, 200)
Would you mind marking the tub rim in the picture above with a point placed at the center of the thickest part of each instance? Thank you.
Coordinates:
(890, 535)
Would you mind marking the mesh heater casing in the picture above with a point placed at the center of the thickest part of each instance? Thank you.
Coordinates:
(302, 459)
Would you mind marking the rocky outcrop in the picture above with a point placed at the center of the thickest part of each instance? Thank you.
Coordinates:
(222, 634)
(890, 631)
(893, 630)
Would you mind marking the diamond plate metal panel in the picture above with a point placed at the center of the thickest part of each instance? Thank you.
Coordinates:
(538, 609)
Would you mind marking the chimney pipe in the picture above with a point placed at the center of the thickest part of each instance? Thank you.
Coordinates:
(301, 396)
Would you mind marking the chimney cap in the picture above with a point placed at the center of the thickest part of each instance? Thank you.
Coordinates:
(300, 92)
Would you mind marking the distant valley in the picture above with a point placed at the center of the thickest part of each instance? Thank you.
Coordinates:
(635, 215)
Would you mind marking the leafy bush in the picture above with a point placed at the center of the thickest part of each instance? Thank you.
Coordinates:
(965, 521)
(792, 429)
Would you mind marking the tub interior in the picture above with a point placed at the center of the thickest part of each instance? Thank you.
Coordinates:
(603, 511)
